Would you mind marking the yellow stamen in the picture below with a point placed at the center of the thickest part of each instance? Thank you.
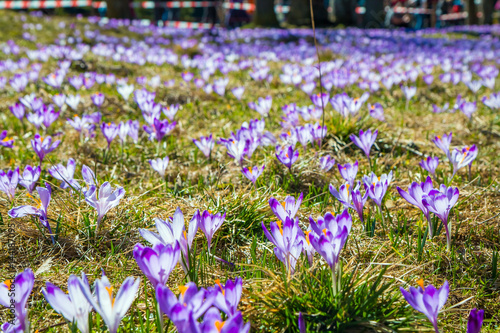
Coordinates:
(283, 204)
(8, 283)
(183, 289)
(286, 155)
(6, 139)
(220, 286)
(421, 283)
(109, 124)
(324, 231)
(373, 107)
(219, 325)
(250, 169)
(279, 226)
(185, 234)
(39, 203)
(347, 187)
(41, 139)
(289, 133)
(463, 157)
(307, 237)
(110, 292)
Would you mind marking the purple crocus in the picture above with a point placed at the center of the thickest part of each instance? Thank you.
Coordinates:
(430, 164)
(376, 111)
(40, 210)
(185, 310)
(213, 323)
(349, 172)
(17, 110)
(210, 223)
(158, 262)
(262, 106)
(159, 129)
(170, 111)
(30, 177)
(377, 186)
(475, 321)
(326, 163)
(97, 99)
(9, 182)
(59, 100)
(365, 141)
(252, 173)
(43, 146)
(468, 108)
(238, 92)
(302, 323)
(74, 306)
(228, 295)
(110, 131)
(160, 165)
(358, 200)
(205, 144)
(65, 174)
(105, 201)
(14, 295)
(443, 142)
(328, 238)
(320, 100)
(6, 141)
(463, 157)
(238, 149)
(440, 202)
(342, 195)
(287, 156)
(416, 192)
(170, 233)
(111, 309)
(285, 237)
(287, 208)
(427, 300)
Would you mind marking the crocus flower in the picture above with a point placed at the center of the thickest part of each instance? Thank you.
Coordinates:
(73, 306)
(160, 165)
(238, 149)
(14, 294)
(59, 100)
(342, 195)
(377, 111)
(475, 321)
(228, 295)
(104, 303)
(427, 300)
(238, 92)
(302, 323)
(329, 237)
(430, 164)
(184, 310)
(66, 174)
(252, 173)
(376, 189)
(205, 144)
(285, 237)
(169, 233)
(263, 106)
(468, 108)
(105, 201)
(110, 131)
(158, 262)
(461, 158)
(414, 196)
(40, 210)
(210, 223)
(6, 141)
(320, 100)
(349, 172)
(287, 208)
(125, 90)
(358, 201)
(287, 156)
(409, 92)
(440, 203)
(73, 101)
(492, 101)
(17, 110)
(30, 177)
(9, 182)
(365, 141)
(443, 142)
(43, 146)
(213, 323)
(159, 129)
(170, 111)
(97, 99)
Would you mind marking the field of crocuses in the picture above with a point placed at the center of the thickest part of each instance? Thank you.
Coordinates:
(158, 180)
